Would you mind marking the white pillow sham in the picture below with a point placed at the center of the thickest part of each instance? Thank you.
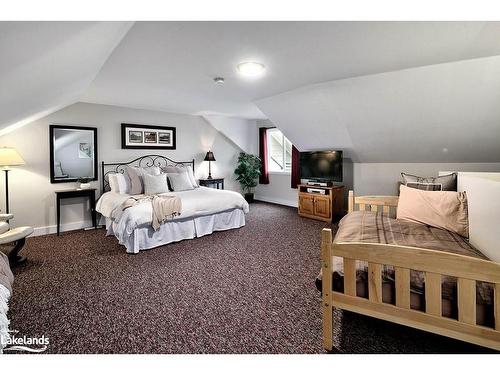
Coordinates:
(180, 181)
(155, 184)
(189, 169)
(119, 183)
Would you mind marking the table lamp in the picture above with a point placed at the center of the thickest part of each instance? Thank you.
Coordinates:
(9, 157)
(210, 158)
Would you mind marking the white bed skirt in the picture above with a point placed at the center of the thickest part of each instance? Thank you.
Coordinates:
(172, 231)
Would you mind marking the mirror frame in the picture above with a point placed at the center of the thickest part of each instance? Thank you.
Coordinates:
(51, 140)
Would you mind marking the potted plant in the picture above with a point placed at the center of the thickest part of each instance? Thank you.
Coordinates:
(248, 172)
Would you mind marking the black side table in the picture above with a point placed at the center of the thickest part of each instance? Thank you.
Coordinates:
(208, 182)
(73, 193)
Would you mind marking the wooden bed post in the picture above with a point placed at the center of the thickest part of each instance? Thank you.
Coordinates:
(350, 202)
(326, 268)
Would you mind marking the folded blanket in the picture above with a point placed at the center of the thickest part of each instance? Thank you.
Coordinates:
(164, 207)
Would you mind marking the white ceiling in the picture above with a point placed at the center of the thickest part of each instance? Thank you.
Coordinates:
(383, 91)
(170, 65)
(45, 66)
(441, 113)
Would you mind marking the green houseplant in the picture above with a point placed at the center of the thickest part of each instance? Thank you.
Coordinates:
(248, 172)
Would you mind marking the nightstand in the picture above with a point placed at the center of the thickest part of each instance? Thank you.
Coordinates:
(73, 193)
(209, 182)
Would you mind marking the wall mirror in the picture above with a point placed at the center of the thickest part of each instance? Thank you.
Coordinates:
(73, 153)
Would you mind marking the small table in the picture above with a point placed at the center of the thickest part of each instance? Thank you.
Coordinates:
(73, 193)
(218, 182)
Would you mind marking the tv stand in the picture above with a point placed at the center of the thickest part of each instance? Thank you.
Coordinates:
(321, 202)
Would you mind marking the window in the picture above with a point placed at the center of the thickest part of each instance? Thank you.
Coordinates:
(279, 152)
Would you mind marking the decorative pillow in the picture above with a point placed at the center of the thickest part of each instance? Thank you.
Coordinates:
(119, 183)
(440, 209)
(136, 174)
(425, 186)
(180, 181)
(448, 182)
(155, 184)
(188, 169)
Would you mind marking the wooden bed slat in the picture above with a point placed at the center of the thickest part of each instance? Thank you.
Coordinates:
(386, 210)
(362, 207)
(417, 319)
(402, 287)
(326, 267)
(497, 306)
(350, 277)
(373, 208)
(433, 296)
(421, 259)
(466, 300)
(375, 282)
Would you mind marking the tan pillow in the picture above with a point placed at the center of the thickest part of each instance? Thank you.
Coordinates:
(439, 209)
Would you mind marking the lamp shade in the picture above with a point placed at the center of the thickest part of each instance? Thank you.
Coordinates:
(209, 156)
(9, 156)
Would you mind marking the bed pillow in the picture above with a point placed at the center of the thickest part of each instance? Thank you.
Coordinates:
(136, 174)
(439, 209)
(180, 181)
(188, 169)
(155, 184)
(119, 183)
(447, 182)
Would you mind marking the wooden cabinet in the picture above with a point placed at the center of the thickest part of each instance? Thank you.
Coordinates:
(324, 205)
(306, 204)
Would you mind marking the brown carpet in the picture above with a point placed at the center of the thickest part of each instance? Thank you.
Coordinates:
(249, 290)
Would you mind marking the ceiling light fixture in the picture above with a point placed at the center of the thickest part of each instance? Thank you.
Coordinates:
(251, 69)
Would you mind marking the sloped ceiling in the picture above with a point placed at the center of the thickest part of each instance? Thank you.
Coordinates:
(170, 65)
(382, 91)
(440, 113)
(46, 66)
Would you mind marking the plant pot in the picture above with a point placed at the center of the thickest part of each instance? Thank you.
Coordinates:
(249, 197)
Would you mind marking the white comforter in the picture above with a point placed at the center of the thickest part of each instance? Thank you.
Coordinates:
(197, 202)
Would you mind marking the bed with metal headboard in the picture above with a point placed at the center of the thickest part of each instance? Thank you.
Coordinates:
(143, 161)
(203, 211)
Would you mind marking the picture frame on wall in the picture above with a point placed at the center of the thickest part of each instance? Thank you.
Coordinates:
(137, 136)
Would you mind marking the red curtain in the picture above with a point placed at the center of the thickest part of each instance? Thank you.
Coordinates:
(295, 167)
(264, 177)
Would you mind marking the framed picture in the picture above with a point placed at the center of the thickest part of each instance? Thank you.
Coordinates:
(148, 137)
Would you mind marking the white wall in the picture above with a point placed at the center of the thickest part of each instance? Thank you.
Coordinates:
(382, 178)
(32, 195)
(240, 131)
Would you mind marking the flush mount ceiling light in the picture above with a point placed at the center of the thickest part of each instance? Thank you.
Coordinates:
(251, 69)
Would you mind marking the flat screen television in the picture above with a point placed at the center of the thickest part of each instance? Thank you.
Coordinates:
(321, 165)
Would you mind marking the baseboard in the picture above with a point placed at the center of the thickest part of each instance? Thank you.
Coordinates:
(50, 229)
(283, 202)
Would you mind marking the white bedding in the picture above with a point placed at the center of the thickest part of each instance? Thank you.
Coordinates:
(201, 201)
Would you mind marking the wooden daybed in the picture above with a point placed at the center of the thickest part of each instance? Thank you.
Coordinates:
(405, 259)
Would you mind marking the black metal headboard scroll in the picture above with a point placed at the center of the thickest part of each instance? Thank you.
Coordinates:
(143, 161)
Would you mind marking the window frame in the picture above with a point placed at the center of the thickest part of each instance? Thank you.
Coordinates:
(285, 141)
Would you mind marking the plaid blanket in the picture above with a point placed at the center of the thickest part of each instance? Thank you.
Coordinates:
(374, 227)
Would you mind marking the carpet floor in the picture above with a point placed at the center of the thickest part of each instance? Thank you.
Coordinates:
(249, 290)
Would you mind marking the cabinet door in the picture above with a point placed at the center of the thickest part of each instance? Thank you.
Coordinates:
(306, 205)
(322, 207)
